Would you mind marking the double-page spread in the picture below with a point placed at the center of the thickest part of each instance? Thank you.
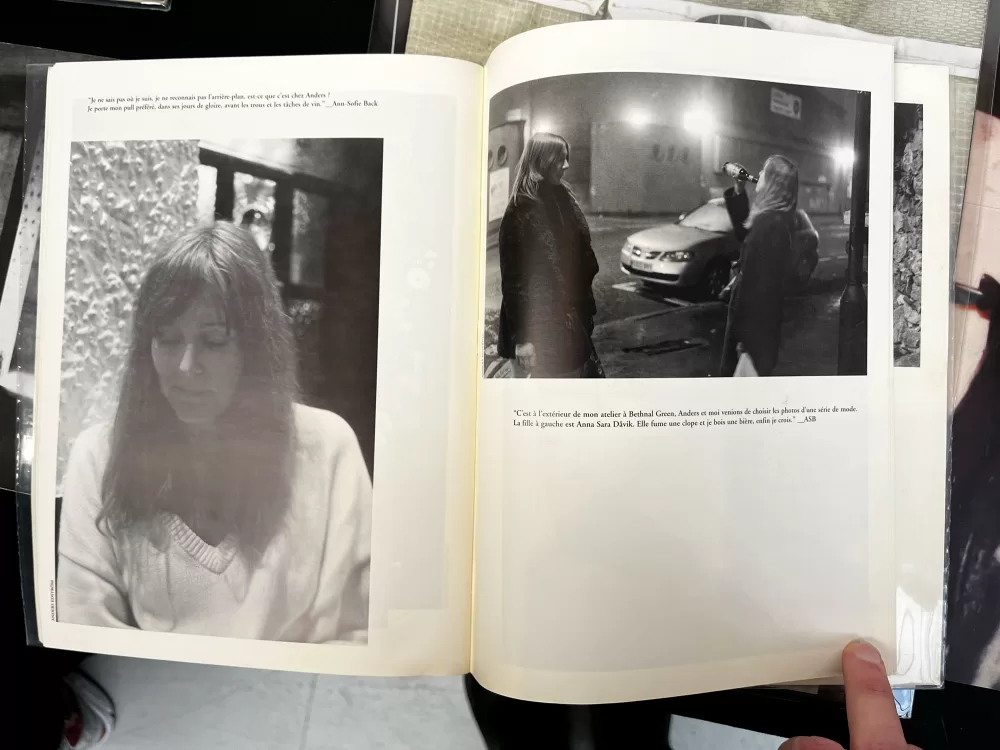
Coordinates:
(613, 370)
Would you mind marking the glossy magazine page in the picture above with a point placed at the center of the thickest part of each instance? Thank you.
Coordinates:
(973, 631)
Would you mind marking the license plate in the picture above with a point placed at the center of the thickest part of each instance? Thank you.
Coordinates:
(642, 265)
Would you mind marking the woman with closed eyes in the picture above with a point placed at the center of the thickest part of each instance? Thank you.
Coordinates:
(215, 504)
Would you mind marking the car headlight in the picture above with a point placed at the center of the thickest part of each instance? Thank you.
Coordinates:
(627, 248)
(677, 255)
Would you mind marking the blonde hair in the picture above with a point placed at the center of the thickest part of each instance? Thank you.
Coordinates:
(540, 152)
(780, 188)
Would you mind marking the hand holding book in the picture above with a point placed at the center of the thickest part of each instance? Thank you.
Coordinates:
(871, 708)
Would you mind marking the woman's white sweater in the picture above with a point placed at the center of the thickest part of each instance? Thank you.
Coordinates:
(311, 585)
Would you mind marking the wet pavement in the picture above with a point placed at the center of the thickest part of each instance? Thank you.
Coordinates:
(647, 332)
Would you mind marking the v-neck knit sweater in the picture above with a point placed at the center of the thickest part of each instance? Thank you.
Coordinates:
(310, 586)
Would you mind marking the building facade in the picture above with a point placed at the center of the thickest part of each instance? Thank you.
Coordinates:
(646, 143)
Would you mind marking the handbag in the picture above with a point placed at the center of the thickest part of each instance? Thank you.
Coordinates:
(508, 367)
(592, 367)
(505, 368)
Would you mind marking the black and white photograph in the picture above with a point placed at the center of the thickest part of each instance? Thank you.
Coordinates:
(650, 225)
(217, 403)
(907, 236)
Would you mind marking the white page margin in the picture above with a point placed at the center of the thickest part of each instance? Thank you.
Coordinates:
(736, 53)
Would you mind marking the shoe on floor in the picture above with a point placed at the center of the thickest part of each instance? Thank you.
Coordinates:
(90, 724)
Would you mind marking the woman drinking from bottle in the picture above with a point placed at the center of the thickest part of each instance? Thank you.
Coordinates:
(763, 277)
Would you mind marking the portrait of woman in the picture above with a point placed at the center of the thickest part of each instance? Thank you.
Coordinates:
(764, 271)
(214, 503)
(547, 269)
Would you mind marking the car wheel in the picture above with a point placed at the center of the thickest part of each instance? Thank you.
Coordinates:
(714, 280)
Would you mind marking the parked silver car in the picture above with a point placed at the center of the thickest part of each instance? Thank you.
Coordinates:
(697, 251)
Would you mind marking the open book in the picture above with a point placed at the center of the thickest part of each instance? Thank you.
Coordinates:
(405, 365)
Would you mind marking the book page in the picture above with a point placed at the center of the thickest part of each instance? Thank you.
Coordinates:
(921, 314)
(255, 416)
(647, 524)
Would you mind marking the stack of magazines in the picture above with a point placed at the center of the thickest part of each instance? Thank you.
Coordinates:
(616, 368)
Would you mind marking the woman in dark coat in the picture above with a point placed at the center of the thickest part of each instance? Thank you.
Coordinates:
(547, 269)
(757, 302)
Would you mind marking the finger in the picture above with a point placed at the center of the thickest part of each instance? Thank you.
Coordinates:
(871, 709)
(809, 743)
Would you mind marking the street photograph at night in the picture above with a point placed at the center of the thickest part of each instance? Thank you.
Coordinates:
(657, 225)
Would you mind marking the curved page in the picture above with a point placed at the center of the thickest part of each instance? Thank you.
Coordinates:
(675, 493)
(921, 314)
(921, 283)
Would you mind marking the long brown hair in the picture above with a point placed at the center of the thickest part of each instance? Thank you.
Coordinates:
(780, 188)
(540, 153)
(246, 475)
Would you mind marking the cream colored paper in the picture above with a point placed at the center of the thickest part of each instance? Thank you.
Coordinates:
(615, 566)
(920, 407)
(428, 118)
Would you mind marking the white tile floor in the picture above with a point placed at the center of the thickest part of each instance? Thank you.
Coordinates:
(168, 706)
(693, 734)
